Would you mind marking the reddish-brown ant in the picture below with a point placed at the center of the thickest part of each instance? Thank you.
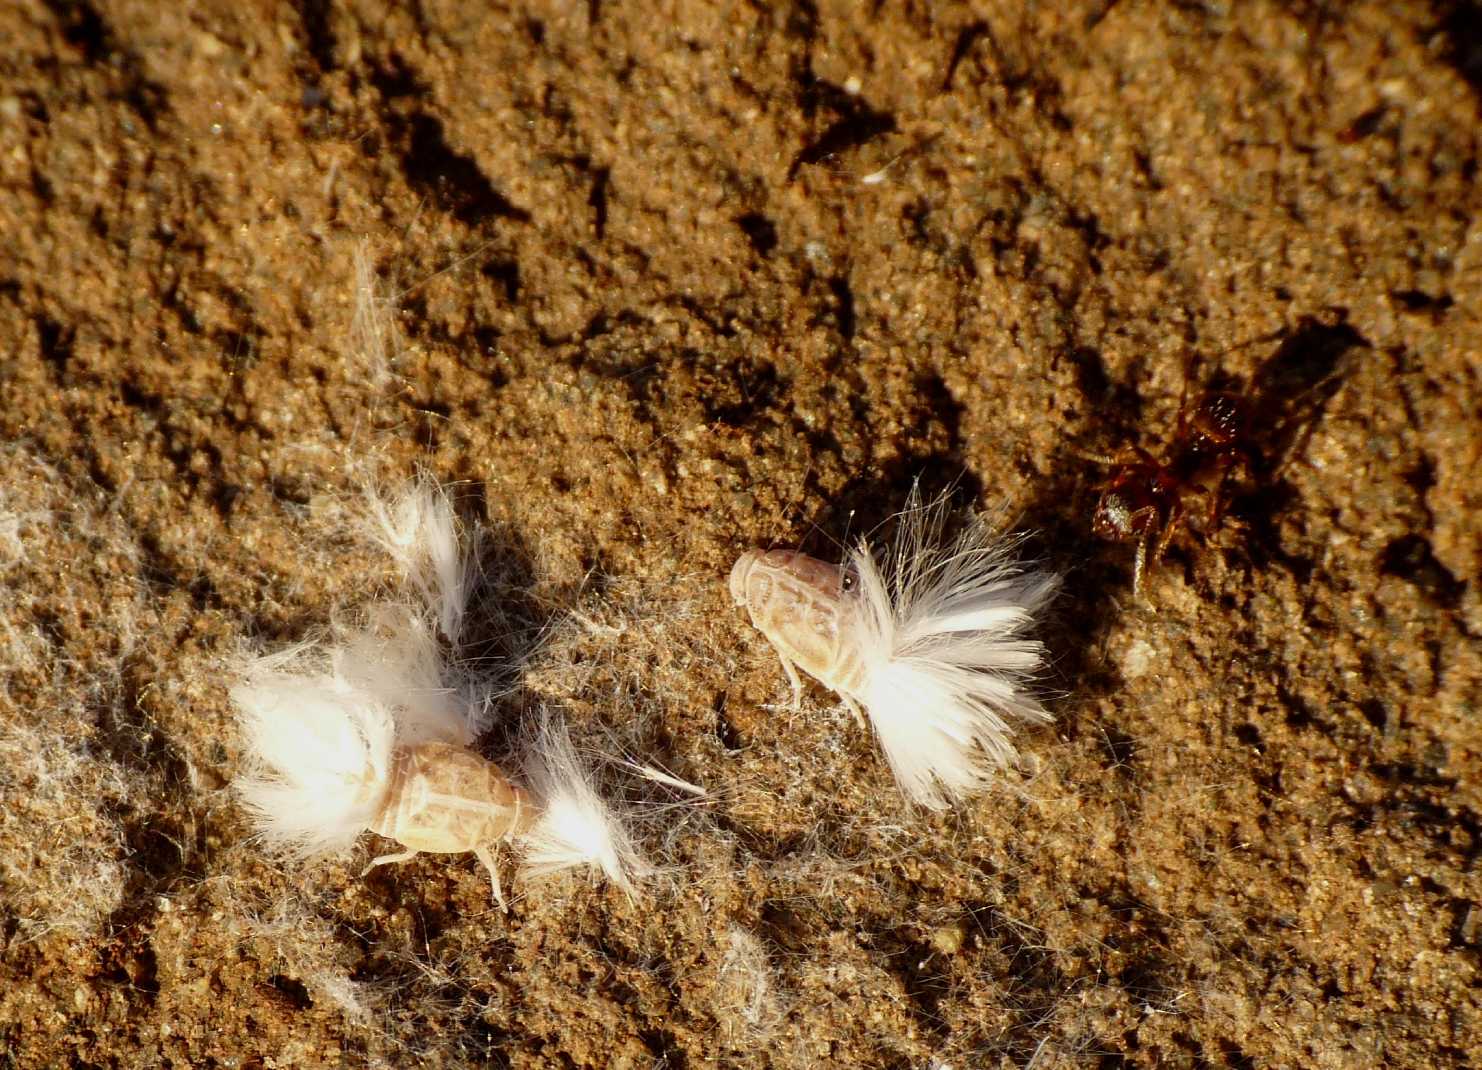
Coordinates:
(1251, 434)
(1146, 498)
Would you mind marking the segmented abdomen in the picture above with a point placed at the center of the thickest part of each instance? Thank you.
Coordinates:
(445, 799)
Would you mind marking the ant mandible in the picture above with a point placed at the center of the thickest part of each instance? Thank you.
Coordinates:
(1146, 498)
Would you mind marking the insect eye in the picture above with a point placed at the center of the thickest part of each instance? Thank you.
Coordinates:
(850, 581)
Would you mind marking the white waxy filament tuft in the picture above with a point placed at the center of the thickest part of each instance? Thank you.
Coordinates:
(928, 637)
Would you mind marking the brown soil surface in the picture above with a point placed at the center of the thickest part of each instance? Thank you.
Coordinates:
(667, 281)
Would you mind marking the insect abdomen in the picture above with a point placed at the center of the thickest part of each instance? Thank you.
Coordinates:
(445, 799)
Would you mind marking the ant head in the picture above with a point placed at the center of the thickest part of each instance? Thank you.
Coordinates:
(1112, 519)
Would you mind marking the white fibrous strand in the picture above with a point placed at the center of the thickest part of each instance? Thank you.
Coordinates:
(575, 827)
(396, 659)
(943, 632)
(375, 340)
(929, 638)
(421, 533)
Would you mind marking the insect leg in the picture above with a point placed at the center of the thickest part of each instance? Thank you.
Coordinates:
(1139, 561)
(792, 678)
(1127, 455)
(486, 856)
(1170, 529)
(1215, 513)
(382, 860)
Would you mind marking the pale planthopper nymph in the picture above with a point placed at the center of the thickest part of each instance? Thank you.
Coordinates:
(930, 642)
(373, 729)
(445, 799)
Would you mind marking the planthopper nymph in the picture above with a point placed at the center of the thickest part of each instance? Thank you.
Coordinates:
(362, 735)
(929, 640)
(372, 729)
(445, 799)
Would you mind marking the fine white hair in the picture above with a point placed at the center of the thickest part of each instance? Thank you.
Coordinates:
(320, 752)
(325, 723)
(397, 661)
(576, 827)
(322, 721)
(438, 560)
(942, 632)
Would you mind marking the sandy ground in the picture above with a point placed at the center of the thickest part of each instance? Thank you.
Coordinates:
(661, 282)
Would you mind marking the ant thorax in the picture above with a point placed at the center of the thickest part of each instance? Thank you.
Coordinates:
(1147, 499)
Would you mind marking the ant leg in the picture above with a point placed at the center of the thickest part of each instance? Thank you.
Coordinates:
(486, 856)
(1190, 375)
(382, 860)
(1125, 456)
(1170, 529)
(1216, 512)
(1248, 462)
(1139, 561)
